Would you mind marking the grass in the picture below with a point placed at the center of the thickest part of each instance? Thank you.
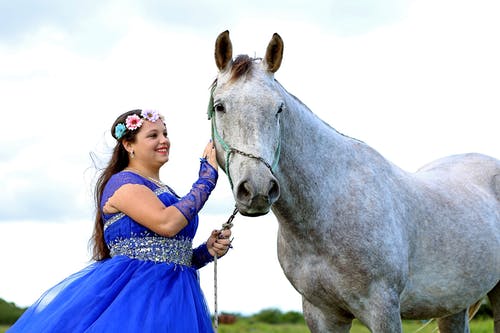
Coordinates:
(246, 326)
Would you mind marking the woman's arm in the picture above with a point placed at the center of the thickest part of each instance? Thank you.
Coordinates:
(143, 206)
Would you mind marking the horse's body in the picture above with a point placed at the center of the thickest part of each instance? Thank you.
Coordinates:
(358, 236)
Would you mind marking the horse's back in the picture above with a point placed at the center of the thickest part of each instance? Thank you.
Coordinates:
(463, 188)
(471, 169)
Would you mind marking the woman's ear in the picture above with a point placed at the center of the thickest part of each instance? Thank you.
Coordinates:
(128, 146)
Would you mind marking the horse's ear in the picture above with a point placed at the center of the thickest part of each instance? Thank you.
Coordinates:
(274, 53)
(223, 50)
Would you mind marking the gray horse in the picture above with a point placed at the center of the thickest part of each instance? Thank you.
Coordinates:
(358, 237)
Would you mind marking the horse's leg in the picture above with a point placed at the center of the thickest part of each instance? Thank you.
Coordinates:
(494, 297)
(319, 323)
(386, 322)
(382, 315)
(456, 323)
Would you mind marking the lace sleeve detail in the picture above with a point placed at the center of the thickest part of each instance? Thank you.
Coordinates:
(201, 256)
(193, 202)
(118, 180)
(208, 172)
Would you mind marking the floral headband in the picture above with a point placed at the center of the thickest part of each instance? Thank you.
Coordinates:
(135, 121)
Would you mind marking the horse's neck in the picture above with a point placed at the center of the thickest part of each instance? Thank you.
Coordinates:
(312, 150)
(319, 162)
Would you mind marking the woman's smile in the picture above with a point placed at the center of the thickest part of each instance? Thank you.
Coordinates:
(162, 150)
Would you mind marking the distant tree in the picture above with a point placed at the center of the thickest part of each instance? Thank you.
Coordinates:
(9, 312)
(275, 316)
(292, 317)
(268, 316)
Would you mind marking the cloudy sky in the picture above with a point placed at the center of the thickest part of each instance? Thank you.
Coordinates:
(416, 80)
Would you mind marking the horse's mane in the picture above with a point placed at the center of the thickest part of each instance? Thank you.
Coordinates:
(309, 110)
(242, 65)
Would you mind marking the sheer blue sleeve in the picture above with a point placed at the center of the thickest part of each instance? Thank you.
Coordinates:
(193, 202)
(118, 180)
(201, 256)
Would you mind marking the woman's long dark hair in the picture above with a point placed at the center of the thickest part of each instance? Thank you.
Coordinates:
(119, 161)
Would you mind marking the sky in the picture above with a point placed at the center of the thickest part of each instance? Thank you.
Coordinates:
(416, 80)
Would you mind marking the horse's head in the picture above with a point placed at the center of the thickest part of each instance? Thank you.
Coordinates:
(245, 111)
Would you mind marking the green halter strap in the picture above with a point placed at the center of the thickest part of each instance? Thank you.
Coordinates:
(228, 150)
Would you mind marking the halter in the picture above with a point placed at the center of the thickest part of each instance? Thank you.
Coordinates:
(229, 150)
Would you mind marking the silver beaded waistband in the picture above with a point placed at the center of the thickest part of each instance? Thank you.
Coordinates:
(154, 248)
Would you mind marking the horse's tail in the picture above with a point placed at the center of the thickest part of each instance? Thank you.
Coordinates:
(474, 308)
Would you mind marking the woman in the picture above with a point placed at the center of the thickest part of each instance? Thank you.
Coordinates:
(145, 275)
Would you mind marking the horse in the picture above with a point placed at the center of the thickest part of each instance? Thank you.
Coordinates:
(358, 236)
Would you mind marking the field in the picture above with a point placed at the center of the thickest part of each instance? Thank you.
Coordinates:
(245, 326)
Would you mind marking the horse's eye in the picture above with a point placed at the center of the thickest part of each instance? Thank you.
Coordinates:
(219, 107)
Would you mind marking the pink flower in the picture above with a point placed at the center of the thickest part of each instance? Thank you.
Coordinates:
(133, 122)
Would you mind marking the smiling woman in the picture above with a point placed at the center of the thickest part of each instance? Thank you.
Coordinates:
(145, 276)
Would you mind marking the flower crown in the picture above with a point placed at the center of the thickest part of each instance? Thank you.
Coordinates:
(134, 121)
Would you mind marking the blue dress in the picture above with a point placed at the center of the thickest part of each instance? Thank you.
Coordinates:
(150, 283)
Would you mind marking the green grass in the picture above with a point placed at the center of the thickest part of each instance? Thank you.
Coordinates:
(246, 326)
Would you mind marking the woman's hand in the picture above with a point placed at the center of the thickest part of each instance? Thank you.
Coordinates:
(210, 154)
(219, 243)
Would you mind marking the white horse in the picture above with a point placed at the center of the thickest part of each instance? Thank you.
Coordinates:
(358, 237)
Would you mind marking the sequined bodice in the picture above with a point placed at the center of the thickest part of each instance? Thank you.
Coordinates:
(124, 236)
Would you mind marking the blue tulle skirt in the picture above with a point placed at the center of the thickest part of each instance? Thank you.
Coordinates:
(121, 295)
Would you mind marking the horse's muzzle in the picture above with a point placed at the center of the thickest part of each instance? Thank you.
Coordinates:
(253, 200)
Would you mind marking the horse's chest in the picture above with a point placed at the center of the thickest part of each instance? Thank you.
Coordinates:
(331, 269)
(317, 272)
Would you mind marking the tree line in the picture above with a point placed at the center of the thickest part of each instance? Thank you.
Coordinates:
(9, 312)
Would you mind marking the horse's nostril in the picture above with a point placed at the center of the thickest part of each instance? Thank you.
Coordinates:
(274, 191)
(244, 192)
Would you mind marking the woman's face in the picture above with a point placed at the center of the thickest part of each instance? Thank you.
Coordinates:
(152, 145)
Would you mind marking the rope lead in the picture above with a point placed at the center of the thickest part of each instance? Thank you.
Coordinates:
(226, 226)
